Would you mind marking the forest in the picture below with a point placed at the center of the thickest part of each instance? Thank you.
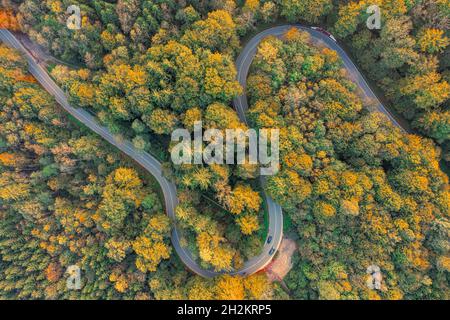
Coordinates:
(356, 189)
(68, 198)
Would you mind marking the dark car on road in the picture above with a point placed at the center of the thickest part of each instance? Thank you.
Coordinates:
(271, 251)
(269, 239)
(324, 32)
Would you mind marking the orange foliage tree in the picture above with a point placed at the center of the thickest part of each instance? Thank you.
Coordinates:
(8, 20)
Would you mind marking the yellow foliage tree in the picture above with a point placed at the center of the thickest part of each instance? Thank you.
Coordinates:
(432, 40)
(212, 250)
(191, 116)
(256, 286)
(200, 289)
(248, 223)
(150, 247)
(324, 210)
(244, 198)
(230, 288)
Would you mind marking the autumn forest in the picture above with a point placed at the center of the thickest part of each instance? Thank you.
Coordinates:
(355, 188)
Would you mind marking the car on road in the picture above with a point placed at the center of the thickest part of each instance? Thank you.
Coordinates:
(324, 32)
(269, 239)
(271, 251)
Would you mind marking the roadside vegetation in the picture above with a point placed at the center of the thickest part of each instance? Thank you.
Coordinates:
(69, 199)
(356, 190)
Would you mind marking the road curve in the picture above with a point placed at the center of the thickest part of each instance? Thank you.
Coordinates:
(146, 160)
(243, 64)
(245, 59)
(153, 166)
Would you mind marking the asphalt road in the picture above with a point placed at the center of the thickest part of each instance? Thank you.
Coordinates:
(153, 166)
(245, 59)
(146, 160)
(243, 64)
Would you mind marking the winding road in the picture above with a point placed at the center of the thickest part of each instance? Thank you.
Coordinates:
(245, 59)
(153, 166)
